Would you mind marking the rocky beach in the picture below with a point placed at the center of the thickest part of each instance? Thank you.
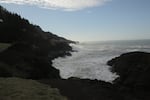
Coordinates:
(26, 54)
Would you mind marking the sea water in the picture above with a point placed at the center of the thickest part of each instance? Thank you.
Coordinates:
(91, 57)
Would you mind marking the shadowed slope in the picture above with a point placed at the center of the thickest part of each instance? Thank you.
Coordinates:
(31, 50)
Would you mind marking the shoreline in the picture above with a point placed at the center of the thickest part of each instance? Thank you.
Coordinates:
(30, 56)
(86, 89)
(79, 62)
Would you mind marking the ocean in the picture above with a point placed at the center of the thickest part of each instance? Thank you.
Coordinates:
(91, 57)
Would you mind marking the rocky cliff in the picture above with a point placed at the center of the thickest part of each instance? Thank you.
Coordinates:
(30, 50)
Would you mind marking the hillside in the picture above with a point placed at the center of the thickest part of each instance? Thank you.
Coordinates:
(31, 49)
(26, 71)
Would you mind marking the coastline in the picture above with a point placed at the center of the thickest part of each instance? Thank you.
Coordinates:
(122, 89)
(30, 57)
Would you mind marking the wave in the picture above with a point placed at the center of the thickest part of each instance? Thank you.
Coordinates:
(91, 58)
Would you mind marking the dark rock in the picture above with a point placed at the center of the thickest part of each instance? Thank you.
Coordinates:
(85, 89)
(134, 71)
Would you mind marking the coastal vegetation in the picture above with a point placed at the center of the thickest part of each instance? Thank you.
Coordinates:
(26, 71)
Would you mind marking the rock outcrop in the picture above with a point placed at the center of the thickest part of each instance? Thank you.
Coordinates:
(134, 71)
(86, 89)
(133, 68)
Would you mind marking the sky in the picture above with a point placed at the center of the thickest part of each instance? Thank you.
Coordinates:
(87, 20)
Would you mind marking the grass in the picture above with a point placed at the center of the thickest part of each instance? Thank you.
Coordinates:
(25, 89)
(4, 46)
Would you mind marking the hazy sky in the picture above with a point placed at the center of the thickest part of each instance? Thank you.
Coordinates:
(87, 20)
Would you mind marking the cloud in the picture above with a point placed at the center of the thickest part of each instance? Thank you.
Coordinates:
(67, 5)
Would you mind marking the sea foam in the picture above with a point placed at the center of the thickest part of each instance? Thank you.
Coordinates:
(90, 59)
